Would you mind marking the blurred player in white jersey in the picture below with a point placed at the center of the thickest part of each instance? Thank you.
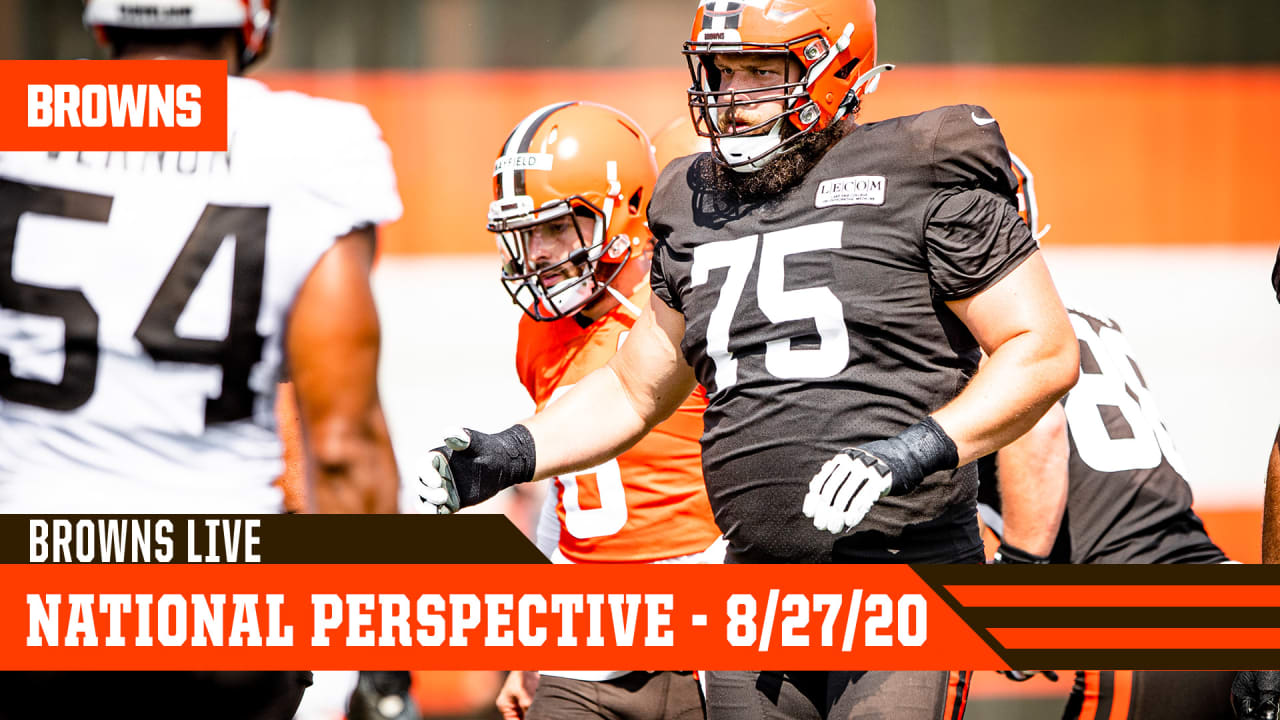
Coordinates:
(151, 301)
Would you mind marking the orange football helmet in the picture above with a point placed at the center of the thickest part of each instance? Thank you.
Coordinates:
(256, 19)
(1027, 206)
(835, 42)
(678, 139)
(580, 160)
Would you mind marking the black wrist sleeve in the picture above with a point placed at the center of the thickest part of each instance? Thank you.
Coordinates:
(491, 463)
(915, 453)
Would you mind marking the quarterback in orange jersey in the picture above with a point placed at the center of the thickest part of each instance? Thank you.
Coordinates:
(571, 185)
(649, 503)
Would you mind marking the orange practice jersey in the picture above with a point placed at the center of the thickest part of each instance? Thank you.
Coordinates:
(649, 503)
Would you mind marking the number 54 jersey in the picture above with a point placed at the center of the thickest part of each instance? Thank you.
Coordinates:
(647, 504)
(144, 298)
(817, 320)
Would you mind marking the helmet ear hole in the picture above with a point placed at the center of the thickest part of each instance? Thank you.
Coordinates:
(634, 203)
(843, 73)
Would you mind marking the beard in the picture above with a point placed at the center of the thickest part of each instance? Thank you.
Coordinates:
(784, 171)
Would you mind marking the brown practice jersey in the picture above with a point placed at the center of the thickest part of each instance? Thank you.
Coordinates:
(817, 320)
(1127, 498)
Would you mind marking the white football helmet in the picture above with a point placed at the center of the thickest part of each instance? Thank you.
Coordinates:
(255, 17)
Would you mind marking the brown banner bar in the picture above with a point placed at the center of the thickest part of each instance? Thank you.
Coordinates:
(293, 539)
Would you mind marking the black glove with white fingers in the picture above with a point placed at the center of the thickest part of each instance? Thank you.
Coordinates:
(846, 487)
(473, 466)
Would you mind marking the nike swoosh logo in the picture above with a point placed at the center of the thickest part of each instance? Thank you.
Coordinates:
(981, 121)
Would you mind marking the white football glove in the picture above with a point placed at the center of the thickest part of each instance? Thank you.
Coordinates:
(437, 493)
(843, 491)
(846, 487)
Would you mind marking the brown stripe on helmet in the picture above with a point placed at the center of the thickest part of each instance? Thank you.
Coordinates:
(527, 140)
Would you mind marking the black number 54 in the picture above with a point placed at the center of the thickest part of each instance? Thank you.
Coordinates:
(235, 354)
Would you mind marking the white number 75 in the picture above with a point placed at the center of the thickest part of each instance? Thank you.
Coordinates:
(778, 304)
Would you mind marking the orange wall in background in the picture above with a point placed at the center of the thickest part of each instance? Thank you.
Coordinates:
(1121, 155)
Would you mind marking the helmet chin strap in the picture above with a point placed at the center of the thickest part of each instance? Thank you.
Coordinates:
(568, 295)
(871, 79)
(623, 301)
(761, 148)
(576, 291)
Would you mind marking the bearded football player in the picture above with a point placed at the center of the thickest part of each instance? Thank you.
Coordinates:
(570, 187)
(152, 301)
(832, 285)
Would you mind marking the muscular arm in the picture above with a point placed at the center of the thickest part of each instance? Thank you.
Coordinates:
(1033, 483)
(1034, 359)
(614, 407)
(1271, 506)
(332, 345)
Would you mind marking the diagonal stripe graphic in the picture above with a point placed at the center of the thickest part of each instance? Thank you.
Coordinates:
(1094, 659)
(1138, 638)
(972, 596)
(1220, 617)
(1122, 617)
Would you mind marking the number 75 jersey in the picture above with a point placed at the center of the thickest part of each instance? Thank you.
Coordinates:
(817, 318)
(144, 298)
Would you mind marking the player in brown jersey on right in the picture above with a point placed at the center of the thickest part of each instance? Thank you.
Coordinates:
(1099, 481)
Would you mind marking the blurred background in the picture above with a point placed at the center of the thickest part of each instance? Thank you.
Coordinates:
(1150, 125)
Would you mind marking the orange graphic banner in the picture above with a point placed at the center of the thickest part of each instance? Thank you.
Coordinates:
(133, 105)
(149, 617)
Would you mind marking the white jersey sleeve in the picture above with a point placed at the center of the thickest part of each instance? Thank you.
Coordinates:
(144, 298)
(546, 533)
(346, 167)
